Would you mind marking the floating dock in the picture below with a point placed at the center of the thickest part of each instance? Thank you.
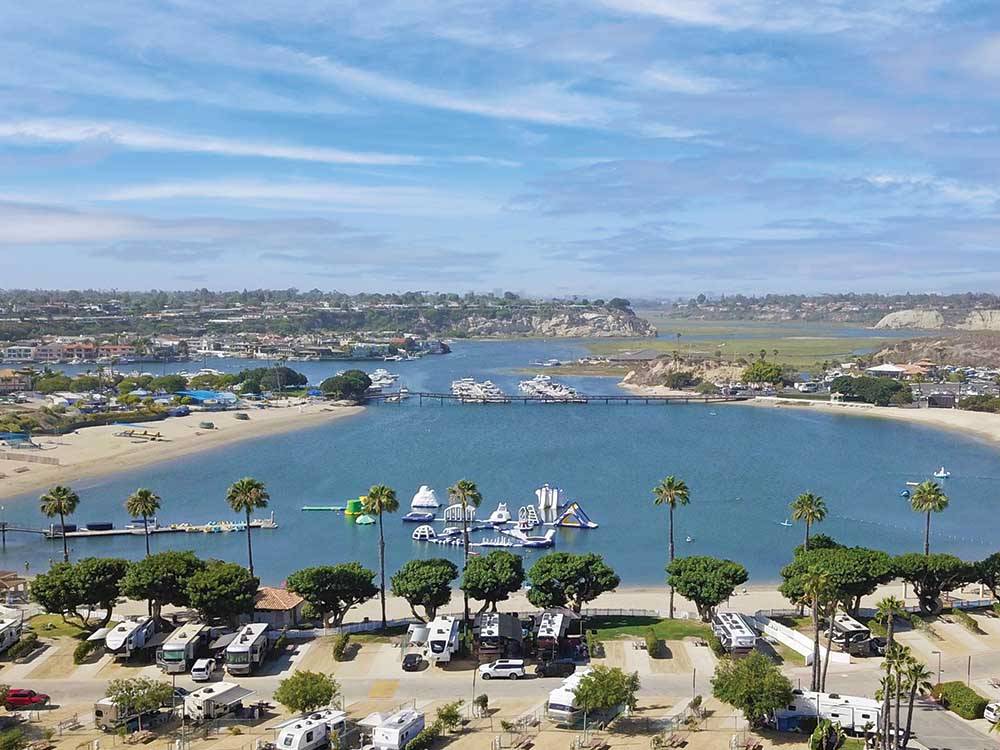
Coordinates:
(215, 527)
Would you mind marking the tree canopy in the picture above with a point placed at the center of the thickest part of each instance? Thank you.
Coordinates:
(562, 579)
(334, 589)
(425, 583)
(139, 695)
(492, 578)
(305, 691)
(222, 591)
(91, 583)
(753, 684)
(262, 379)
(761, 372)
(349, 385)
(878, 391)
(604, 688)
(852, 572)
(707, 581)
(162, 578)
(988, 573)
(932, 575)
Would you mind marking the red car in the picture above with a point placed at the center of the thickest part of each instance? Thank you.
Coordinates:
(21, 698)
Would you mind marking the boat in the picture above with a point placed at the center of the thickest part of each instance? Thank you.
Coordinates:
(418, 516)
(689, 539)
(500, 515)
(527, 540)
(424, 498)
(942, 473)
(364, 520)
(785, 523)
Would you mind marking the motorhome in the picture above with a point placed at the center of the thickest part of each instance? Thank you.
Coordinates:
(215, 701)
(550, 630)
(442, 641)
(398, 729)
(10, 633)
(248, 649)
(318, 729)
(108, 717)
(855, 715)
(498, 634)
(735, 632)
(848, 632)
(561, 705)
(182, 647)
(129, 636)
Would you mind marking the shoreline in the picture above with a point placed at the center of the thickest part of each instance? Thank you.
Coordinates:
(93, 452)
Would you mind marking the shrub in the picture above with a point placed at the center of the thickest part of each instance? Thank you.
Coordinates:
(84, 650)
(280, 644)
(594, 647)
(482, 703)
(960, 699)
(449, 716)
(27, 644)
(652, 644)
(425, 738)
(12, 739)
(235, 731)
(967, 621)
(340, 646)
(716, 645)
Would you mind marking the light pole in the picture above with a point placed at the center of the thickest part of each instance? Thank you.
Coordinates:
(939, 665)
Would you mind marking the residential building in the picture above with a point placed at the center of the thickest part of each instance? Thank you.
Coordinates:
(18, 353)
(13, 381)
(278, 607)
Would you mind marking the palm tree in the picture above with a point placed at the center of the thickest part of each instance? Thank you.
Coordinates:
(466, 493)
(917, 679)
(886, 611)
(928, 498)
(381, 499)
(142, 504)
(810, 509)
(815, 588)
(671, 492)
(60, 501)
(245, 496)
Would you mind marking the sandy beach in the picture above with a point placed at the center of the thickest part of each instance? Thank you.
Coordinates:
(97, 451)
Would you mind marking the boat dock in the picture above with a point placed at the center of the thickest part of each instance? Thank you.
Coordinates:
(214, 527)
(578, 398)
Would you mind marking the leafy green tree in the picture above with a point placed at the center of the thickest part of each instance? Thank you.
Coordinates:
(931, 575)
(13, 739)
(809, 509)
(425, 583)
(988, 573)
(144, 504)
(493, 577)
(222, 591)
(753, 684)
(877, 391)
(245, 496)
(854, 572)
(162, 578)
(334, 589)
(706, 581)
(168, 383)
(826, 736)
(761, 372)
(60, 501)
(306, 691)
(562, 579)
(99, 580)
(53, 384)
(465, 493)
(819, 541)
(928, 498)
(449, 716)
(57, 590)
(604, 688)
(381, 499)
(350, 385)
(139, 695)
(672, 492)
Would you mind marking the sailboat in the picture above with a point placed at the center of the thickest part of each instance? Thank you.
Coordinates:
(786, 522)
(942, 473)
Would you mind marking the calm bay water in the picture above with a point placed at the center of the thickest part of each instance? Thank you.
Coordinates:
(743, 465)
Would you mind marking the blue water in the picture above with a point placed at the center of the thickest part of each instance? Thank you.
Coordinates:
(743, 465)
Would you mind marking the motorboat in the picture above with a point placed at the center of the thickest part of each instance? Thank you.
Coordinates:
(942, 473)
(424, 498)
(500, 515)
(689, 539)
(785, 523)
(418, 516)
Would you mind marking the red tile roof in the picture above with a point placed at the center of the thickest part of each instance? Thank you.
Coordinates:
(279, 600)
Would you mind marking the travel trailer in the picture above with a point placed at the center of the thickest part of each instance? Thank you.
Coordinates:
(318, 729)
(855, 715)
(498, 634)
(129, 637)
(442, 641)
(735, 632)
(549, 632)
(10, 633)
(397, 730)
(214, 701)
(109, 718)
(181, 648)
(561, 705)
(248, 649)
(849, 632)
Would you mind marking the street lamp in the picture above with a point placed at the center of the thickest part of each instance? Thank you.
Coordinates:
(939, 665)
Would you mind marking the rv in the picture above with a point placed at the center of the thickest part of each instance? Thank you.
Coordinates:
(10, 633)
(397, 730)
(108, 717)
(735, 632)
(181, 648)
(561, 705)
(499, 634)
(442, 641)
(129, 636)
(848, 632)
(550, 631)
(855, 715)
(320, 728)
(214, 701)
(248, 649)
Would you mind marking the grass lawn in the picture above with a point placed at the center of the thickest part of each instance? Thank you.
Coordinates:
(379, 636)
(852, 743)
(52, 626)
(667, 630)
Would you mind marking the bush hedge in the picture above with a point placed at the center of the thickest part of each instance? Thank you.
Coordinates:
(652, 644)
(84, 649)
(960, 699)
(27, 644)
(424, 739)
(967, 621)
(340, 646)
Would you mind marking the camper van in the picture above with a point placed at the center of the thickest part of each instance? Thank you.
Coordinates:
(10, 633)
(181, 648)
(735, 632)
(442, 641)
(216, 700)
(561, 705)
(854, 714)
(129, 636)
(318, 729)
(848, 633)
(397, 730)
(248, 649)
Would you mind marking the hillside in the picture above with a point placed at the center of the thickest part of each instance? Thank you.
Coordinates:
(968, 349)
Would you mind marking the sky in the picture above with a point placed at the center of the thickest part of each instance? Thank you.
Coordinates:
(635, 147)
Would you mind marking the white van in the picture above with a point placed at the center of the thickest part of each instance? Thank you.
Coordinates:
(992, 713)
(201, 670)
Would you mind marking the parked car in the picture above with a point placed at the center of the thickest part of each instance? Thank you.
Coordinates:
(201, 670)
(560, 668)
(510, 669)
(21, 698)
(177, 699)
(412, 662)
(992, 713)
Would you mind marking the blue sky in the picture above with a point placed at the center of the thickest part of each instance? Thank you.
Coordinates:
(641, 147)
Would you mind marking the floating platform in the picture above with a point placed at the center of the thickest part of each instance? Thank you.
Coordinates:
(217, 527)
(330, 508)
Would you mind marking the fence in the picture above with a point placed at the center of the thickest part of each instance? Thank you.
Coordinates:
(797, 641)
(30, 458)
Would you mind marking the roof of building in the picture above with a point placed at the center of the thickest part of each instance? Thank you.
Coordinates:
(888, 367)
(275, 599)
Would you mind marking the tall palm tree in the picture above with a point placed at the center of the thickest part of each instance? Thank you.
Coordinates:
(671, 492)
(917, 679)
(60, 501)
(381, 499)
(815, 591)
(245, 496)
(928, 498)
(886, 611)
(465, 493)
(810, 509)
(143, 504)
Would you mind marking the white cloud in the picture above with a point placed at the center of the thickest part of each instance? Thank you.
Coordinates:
(679, 81)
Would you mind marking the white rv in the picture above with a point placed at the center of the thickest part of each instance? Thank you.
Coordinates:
(734, 631)
(181, 648)
(248, 649)
(10, 633)
(442, 641)
(129, 636)
(214, 701)
(319, 729)
(855, 715)
(551, 629)
(561, 705)
(395, 732)
(847, 631)
(108, 717)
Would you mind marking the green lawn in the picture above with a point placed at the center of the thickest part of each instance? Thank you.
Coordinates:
(379, 636)
(667, 630)
(52, 626)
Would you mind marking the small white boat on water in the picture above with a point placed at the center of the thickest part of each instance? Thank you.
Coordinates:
(785, 523)
(689, 539)
(942, 473)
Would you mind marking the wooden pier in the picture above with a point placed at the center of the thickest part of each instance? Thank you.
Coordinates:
(694, 398)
